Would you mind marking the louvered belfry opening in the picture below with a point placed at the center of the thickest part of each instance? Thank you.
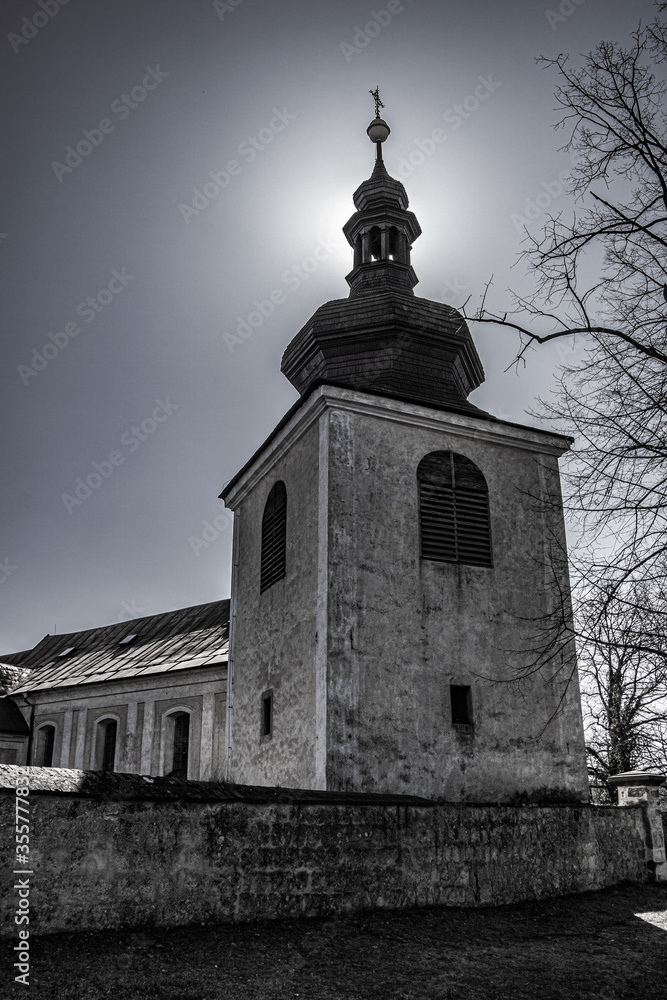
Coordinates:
(181, 745)
(274, 524)
(453, 510)
(109, 747)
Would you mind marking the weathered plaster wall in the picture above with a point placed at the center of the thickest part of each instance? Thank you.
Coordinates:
(15, 749)
(140, 705)
(274, 637)
(402, 629)
(165, 860)
(362, 639)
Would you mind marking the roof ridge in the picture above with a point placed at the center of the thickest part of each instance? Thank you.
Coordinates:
(130, 621)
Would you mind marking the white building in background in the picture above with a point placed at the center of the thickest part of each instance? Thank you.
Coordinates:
(145, 697)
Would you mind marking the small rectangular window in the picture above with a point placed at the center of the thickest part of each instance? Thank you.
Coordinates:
(267, 715)
(461, 699)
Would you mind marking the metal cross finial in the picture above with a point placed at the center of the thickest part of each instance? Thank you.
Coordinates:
(375, 94)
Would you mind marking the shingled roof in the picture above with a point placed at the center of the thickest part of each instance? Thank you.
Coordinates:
(11, 676)
(157, 644)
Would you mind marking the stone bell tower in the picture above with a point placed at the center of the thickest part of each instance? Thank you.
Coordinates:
(392, 558)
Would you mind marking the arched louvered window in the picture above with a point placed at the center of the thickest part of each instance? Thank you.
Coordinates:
(454, 519)
(274, 525)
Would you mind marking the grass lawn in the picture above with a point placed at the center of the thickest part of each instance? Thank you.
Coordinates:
(610, 944)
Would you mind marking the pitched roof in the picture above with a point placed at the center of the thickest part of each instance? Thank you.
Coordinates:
(175, 640)
(14, 658)
(11, 718)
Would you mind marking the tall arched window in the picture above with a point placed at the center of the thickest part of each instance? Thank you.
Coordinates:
(180, 748)
(44, 749)
(105, 745)
(274, 523)
(454, 519)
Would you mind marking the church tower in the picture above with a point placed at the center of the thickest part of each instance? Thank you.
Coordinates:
(396, 551)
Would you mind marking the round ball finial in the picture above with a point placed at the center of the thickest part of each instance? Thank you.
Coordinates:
(378, 130)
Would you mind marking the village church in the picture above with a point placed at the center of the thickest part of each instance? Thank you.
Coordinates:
(395, 550)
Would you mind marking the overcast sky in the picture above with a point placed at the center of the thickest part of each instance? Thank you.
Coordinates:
(123, 287)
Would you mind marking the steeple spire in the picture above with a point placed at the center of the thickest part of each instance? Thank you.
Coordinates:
(378, 130)
(375, 94)
(381, 231)
(382, 338)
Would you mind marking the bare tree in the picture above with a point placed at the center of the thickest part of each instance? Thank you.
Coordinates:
(613, 111)
(615, 114)
(623, 672)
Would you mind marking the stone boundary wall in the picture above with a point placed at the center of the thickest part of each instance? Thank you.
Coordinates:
(128, 851)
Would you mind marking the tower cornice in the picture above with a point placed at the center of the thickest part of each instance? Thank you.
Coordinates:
(308, 410)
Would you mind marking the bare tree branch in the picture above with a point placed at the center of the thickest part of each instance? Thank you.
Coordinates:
(612, 398)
